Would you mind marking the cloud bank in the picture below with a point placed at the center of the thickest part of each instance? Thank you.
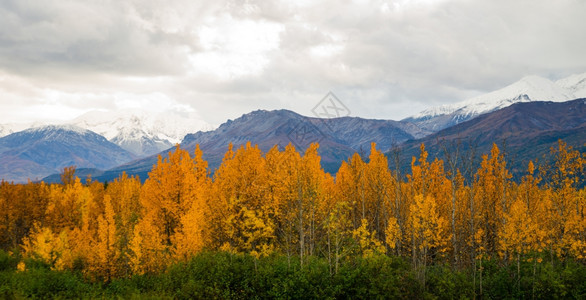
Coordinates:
(383, 59)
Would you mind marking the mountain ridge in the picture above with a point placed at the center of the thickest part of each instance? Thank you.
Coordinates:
(537, 123)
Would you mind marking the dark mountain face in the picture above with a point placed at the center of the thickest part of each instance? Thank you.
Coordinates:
(339, 138)
(525, 131)
(38, 152)
(358, 133)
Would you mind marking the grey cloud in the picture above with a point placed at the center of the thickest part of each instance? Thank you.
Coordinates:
(466, 45)
(86, 37)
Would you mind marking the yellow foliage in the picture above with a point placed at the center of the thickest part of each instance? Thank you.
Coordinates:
(426, 226)
(49, 247)
(393, 233)
(148, 249)
(368, 244)
(519, 232)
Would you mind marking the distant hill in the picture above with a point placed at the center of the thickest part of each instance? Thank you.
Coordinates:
(82, 173)
(38, 152)
(525, 131)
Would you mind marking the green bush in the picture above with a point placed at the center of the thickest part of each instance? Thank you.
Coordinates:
(42, 283)
(211, 275)
(7, 261)
(222, 275)
(445, 283)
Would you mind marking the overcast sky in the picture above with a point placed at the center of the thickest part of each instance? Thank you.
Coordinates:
(221, 59)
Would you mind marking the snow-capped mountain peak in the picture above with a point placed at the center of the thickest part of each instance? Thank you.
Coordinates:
(140, 132)
(529, 88)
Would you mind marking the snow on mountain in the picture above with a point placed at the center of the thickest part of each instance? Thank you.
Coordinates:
(576, 84)
(140, 132)
(51, 131)
(530, 88)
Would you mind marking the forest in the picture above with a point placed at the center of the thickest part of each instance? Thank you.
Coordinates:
(275, 225)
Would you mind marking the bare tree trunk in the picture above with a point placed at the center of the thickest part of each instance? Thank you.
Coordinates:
(300, 229)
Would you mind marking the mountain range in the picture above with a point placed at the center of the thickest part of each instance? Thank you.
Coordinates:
(530, 88)
(37, 152)
(130, 141)
(338, 138)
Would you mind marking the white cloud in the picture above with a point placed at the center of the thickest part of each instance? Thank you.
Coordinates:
(25, 102)
(233, 48)
(154, 102)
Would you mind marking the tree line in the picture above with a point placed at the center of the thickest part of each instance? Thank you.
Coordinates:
(282, 202)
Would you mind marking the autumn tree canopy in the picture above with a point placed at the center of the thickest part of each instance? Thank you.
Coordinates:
(283, 202)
